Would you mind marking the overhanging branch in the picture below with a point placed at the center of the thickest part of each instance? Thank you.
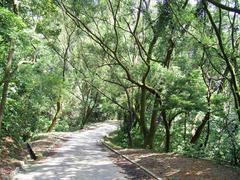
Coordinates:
(222, 6)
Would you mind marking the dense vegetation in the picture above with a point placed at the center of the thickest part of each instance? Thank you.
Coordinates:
(169, 69)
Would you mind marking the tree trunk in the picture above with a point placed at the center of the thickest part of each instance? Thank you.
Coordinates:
(200, 128)
(127, 126)
(130, 143)
(234, 78)
(129, 136)
(54, 120)
(168, 136)
(130, 124)
(149, 141)
(89, 110)
(86, 116)
(142, 122)
(167, 131)
(6, 80)
(207, 135)
(185, 127)
(31, 152)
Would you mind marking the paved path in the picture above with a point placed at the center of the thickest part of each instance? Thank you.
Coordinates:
(80, 158)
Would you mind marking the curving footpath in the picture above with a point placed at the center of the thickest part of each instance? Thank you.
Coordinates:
(82, 157)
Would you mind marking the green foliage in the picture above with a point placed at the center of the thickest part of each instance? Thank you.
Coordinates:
(62, 126)
(183, 90)
(95, 57)
(120, 139)
(10, 24)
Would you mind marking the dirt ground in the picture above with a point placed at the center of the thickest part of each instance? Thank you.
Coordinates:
(133, 171)
(174, 166)
(12, 156)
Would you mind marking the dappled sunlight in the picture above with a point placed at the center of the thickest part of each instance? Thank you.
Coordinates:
(66, 171)
(201, 171)
(171, 165)
(172, 172)
(161, 75)
(81, 157)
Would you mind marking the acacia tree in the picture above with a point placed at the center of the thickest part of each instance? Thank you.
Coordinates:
(115, 54)
(143, 46)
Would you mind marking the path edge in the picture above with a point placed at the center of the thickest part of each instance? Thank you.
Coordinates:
(14, 172)
(131, 161)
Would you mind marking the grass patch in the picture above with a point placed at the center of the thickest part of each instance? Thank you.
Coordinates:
(115, 140)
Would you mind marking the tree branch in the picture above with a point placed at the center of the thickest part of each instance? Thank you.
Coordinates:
(222, 6)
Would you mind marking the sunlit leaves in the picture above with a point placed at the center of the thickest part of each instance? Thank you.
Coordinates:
(10, 24)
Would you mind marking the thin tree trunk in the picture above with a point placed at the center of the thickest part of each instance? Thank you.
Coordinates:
(234, 78)
(128, 127)
(89, 111)
(31, 152)
(200, 128)
(130, 143)
(6, 80)
(206, 118)
(207, 135)
(54, 120)
(185, 127)
(167, 131)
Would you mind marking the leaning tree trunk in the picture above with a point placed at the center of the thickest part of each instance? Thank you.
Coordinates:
(31, 152)
(6, 80)
(207, 135)
(55, 118)
(200, 128)
(228, 60)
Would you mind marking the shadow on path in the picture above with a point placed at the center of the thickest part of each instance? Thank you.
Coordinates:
(79, 158)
